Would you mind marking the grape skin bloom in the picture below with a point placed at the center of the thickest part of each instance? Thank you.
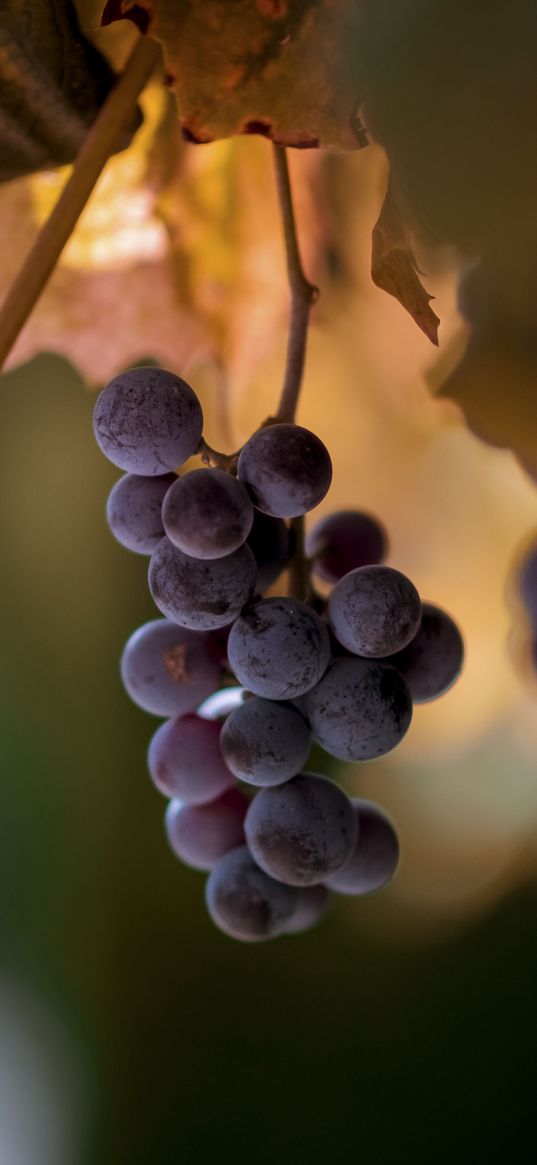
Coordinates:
(246, 903)
(207, 513)
(278, 648)
(167, 670)
(201, 595)
(361, 709)
(147, 421)
(301, 832)
(286, 469)
(134, 510)
(433, 660)
(374, 859)
(200, 835)
(264, 742)
(185, 761)
(374, 611)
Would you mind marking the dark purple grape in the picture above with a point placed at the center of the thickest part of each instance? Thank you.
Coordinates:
(374, 611)
(201, 595)
(434, 658)
(147, 421)
(185, 761)
(264, 742)
(311, 907)
(361, 709)
(207, 514)
(168, 670)
(343, 541)
(286, 469)
(244, 902)
(270, 543)
(302, 831)
(278, 648)
(375, 856)
(527, 584)
(201, 834)
(134, 510)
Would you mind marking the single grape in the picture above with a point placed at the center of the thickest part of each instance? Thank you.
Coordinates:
(185, 761)
(433, 659)
(374, 611)
(207, 513)
(343, 541)
(244, 902)
(270, 543)
(147, 421)
(286, 469)
(201, 834)
(278, 648)
(264, 742)
(361, 709)
(200, 595)
(375, 856)
(168, 670)
(134, 510)
(301, 832)
(527, 584)
(311, 907)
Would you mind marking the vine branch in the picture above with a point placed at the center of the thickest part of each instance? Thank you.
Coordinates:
(303, 294)
(99, 144)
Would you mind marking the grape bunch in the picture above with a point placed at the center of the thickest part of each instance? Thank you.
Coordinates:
(246, 683)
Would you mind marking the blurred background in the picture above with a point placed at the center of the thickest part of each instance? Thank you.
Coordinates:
(403, 1029)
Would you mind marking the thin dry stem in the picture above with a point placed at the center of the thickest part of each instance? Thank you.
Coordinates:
(303, 294)
(99, 144)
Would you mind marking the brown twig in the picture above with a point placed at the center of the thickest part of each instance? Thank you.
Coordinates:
(99, 144)
(303, 295)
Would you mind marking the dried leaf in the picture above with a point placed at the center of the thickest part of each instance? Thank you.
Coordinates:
(394, 270)
(52, 82)
(273, 67)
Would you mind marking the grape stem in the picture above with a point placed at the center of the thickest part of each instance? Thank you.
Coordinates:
(100, 143)
(303, 294)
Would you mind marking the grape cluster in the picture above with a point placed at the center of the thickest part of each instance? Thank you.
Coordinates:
(343, 672)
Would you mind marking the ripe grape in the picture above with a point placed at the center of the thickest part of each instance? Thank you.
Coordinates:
(343, 541)
(375, 856)
(311, 907)
(200, 595)
(244, 902)
(286, 469)
(201, 834)
(168, 670)
(207, 513)
(433, 659)
(278, 648)
(264, 742)
(147, 421)
(134, 510)
(302, 831)
(374, 611)
(270, 543)
(185, 761)
(361, 709)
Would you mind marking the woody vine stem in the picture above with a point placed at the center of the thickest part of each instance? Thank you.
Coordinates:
(39, 264)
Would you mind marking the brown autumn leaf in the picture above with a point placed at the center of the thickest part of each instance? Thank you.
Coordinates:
(52, 82)
(273, 67)
(394, 270)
